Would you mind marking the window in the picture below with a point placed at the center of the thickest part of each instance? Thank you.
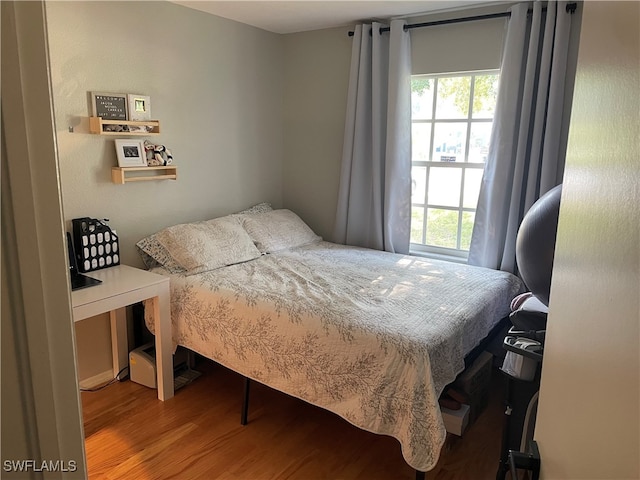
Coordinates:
(452, 116)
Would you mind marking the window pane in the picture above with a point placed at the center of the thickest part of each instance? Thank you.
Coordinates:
(453, 97)
(452, 119)
(449, 141)
(422, 98)
(442, 227)
(485, 94)
(417, 224)
(472, 181)
(444, 186)
(467, 228)
(420, 141)
(479, 141)
(418, 184)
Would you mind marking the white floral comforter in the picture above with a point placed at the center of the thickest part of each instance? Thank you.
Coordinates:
(371, 336)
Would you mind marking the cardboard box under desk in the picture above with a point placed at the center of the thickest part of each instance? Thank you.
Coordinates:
(474, 384)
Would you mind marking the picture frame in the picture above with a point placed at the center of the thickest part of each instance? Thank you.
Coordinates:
(139, 107)
(131, 153)
(109, 106)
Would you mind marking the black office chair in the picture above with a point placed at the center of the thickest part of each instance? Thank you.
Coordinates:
(535, 248)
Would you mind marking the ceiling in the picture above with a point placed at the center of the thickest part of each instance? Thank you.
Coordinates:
(302, 15)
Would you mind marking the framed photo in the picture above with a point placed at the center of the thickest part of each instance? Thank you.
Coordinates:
(131, 153)
(109, 106)
(139, 107)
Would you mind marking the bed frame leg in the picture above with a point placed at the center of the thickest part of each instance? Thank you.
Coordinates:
(421, 475)
(245, 401)
(191, 359)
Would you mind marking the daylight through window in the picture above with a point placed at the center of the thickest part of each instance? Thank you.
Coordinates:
(452, 118)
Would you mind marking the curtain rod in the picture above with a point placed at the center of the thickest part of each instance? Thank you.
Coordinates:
(571, 8)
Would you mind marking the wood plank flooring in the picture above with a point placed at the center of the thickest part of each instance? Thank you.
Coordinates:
(197, 435)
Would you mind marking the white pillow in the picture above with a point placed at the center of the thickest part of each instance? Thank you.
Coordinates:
(153, 254)
(278, 230)
(203, 246)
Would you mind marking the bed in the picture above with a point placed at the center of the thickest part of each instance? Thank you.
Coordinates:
(371, 336)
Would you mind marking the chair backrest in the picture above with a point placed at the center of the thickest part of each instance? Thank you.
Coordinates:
(536, 241)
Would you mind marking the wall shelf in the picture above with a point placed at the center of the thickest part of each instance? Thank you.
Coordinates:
(143, 174)
(100, 126)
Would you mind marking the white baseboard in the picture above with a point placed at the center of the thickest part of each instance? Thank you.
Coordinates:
(96, 380)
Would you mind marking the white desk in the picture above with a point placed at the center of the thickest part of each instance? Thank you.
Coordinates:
(121, 286)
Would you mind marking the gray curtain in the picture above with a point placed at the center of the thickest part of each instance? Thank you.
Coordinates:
(374, 200)
(526, 153)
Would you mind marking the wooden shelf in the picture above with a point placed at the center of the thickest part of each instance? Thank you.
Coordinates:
(97, 125)
(143, 174)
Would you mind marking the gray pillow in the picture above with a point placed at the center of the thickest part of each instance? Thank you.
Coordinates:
(203, 246)
(154, 254)
(278, 230)
(259, 208)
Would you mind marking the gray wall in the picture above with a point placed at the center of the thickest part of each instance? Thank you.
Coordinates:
(316, 82)
(215, 85)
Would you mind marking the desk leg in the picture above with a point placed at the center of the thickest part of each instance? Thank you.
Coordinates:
(119, 345)
(164, 357)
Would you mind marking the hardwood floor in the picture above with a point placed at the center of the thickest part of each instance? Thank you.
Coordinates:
(197, 435)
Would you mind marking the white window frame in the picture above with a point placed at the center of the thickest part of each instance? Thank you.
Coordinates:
(423, 249)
